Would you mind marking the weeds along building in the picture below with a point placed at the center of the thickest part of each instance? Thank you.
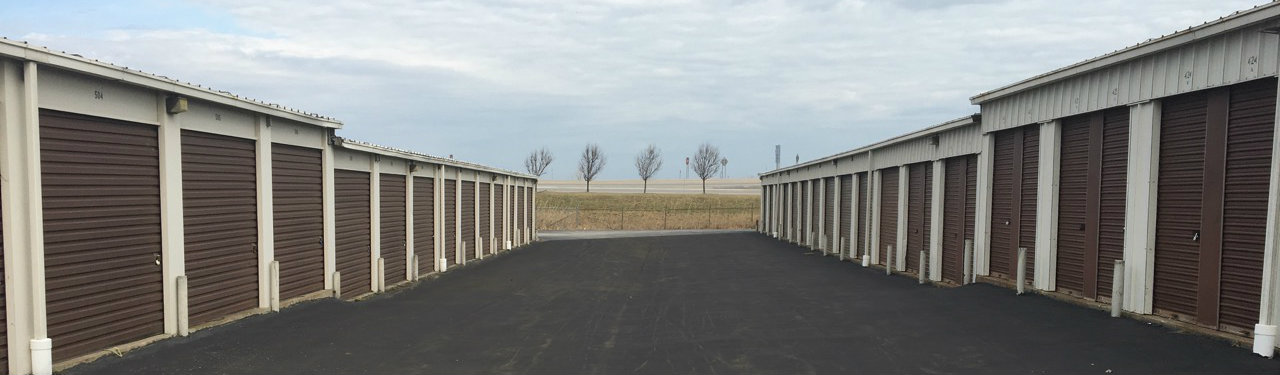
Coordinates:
(1162, 155)
(136, 207)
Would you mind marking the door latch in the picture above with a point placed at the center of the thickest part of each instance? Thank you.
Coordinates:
(157, 259)
(1195, 236)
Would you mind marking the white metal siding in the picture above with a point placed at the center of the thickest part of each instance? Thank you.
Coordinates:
(1230, 58)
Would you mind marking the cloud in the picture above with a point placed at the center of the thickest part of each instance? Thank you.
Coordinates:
(490, 80)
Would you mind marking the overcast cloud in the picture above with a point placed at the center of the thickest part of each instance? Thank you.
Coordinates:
(487, 81)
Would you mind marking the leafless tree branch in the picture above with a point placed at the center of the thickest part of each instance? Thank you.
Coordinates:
(648, 162)
(591, 163)
(706, 163)
(538, 161)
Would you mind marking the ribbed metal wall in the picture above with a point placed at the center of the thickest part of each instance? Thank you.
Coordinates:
(1233, 57)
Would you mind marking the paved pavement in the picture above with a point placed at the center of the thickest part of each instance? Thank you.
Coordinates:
(693, 304)
(732, 186)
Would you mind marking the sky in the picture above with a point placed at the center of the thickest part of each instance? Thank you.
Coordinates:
(488, 81)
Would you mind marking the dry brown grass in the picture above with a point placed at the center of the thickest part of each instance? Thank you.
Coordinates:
(603, 211)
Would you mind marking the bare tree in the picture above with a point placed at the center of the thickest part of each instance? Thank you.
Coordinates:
(591, 163)
(538, 161)
(648, 162)
(706, 162)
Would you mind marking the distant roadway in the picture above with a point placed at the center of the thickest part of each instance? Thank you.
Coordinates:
(733, 186)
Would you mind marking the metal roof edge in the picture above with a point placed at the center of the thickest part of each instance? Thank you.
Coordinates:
(1232, 22)
(42, 55)
(416, 156)
(945, 126)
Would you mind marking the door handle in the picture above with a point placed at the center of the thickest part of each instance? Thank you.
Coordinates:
(1195, 236)
(157, 260)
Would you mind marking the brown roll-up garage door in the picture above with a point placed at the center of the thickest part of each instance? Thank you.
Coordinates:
(101, 198)
(1091, 199)
(220, 211)
(815, 210)
(1215, 161)
(959, 189)
(528, 210)
(4, 304)
(797, 195)
(468, 222)
(486, 241)
(353, 214)
(392, 229)
(515, 213)
(864, 197)
(889, 182)
(846, 215)
(424, 222)
(298, 218)
(451, 222)
(500, 202)
(829, 211)
(919, 189)
(1013, 200)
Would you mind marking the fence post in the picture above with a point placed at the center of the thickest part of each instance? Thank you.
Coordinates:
(664, 217)
(623, 224)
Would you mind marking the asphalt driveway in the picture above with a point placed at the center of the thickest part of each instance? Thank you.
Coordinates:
(713, 303)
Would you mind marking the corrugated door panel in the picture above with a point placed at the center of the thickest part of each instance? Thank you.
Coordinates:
(797, 211)
(1030, 172)
(971, 197)
(485, 230)
(101, 187)
(530, 207)
(298, 218)
(815, 209)
(424, 223)
(1250, 132)
(500, 201)
(451, 221)
(1178, 204)
(394, 236)
(1073, 184)
(953, 218)
(846, 213)
(4, 304)
(469, 219)
(1005, 177)
(863, 223)
(915, 215)
(829, 222)
(1111, 209)
(352, 214)
(888, 212)
(220, 224)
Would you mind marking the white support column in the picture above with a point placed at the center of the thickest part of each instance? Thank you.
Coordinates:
(938, 201)
(1140, 206)
(375, 222)
(172, 259)
(982, 210)
(29, 346)
(901, 250)
(438, 210)
(835, 219)
(533, 210)
(821, 197)
(478, 243)
(266, 218)
(1046, 251)
(873, 214)
(408, 222)
(1269, 310)
(330, 218)
(854, 220)
(493, 246)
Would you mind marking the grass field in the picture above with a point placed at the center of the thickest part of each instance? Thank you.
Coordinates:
(604, 211)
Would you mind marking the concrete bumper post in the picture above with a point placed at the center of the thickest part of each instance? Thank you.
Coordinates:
(184, 327)
(273, 270)
(968, 262)
(888, 262)
(337, 284)
(921, 268)
(1022, 270)
(866, 260)
(1117, 288)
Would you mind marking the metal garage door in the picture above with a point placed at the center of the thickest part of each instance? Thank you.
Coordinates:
(451, 222)
(815, 210)
(846, 215)
(959, 192)
(469, 219)
(829, 211)
(424, 222)
(919, 203)
(515, 213)
(485, 244)
(1215, 152)
(220, 224)
(500, 201)
(4, 326)
(392, 229)
(528, 210)
(889, 182)
(1013, 200)
(1111, 204)
(796, 198)
(298, 218)
(864, 222)
(1094, 156)
(353, 216)
(101, 187)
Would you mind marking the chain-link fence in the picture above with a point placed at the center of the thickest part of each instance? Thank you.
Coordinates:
(574, 218)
